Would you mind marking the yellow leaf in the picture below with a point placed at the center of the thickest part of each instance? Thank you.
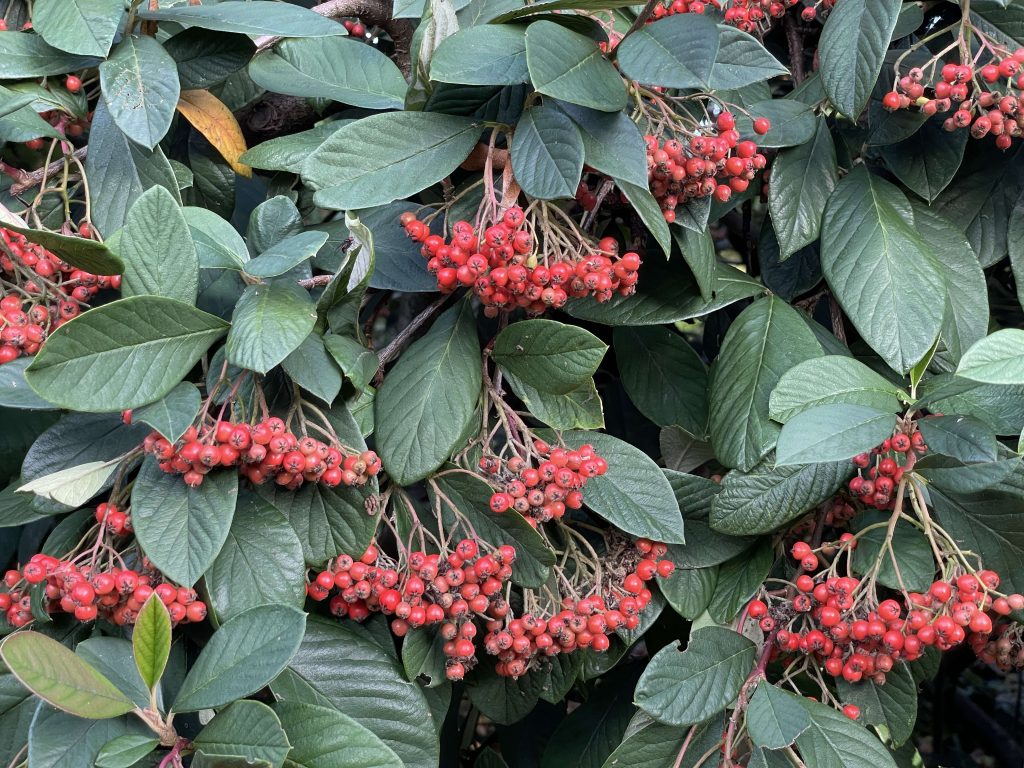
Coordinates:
(214, 120)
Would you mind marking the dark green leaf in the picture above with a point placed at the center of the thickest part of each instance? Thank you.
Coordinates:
(59, 740)
(340, 667)
(78, 26)
(141, 89)
(876, 262)
(27, 55)
(667, 294)
(612, 143)
(174, 413)
(961, 437)
(85, 254)
(955, 476)
(792, 123)
(260, 563)
(766, 340)
(386, 157)
(682, 451)
(650, 212)
(150, 341)
(634, 493)
(503, 699)
(337, 68)
(245, 728)
(678, 51)
(802, 180)
(312, 368)
(663, 376)
(125, 751)
(250, 17)
(120, 171)
(244, 655)
(326, 738)
(485, 55)
(741, 60)
(739, 580)
(207, 58)
(592, 731)
(689, 687)
(56, 675)
(835, 741)
(928, 160)
(768, 497)
(286, 254)
(159, 256)
(328, 521)
(650, 744)
(852, 47)
(833, 432)
(704, 547)
(182, 529)
(775, 717)
(580, 409)
(893, 705)
(833, 379)
(547, 153)
(270, 321)
(569, 66)
(548, 355)
(428, 399)
(288, 153)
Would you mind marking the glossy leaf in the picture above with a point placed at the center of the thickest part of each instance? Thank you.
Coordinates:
(159, 256)
(802, 180)
(181, 529)
(663, 376)
(428, 399)
(995, 359)
(382, 158)
(689, 687)
(634, 493)
(86, 27)
(569, 66)
(140, 87)
(548, 355)
(876, 262)
(250, 17)
(677, 51)
(832, 739)
(775, 717)
(766, 340)
(241, 657)
(174, 413)
(327, 738)
(151, 341)
(249, 729)
(269, 322)
(852, 47)
(832, 432)
(547, 153)
(489, 54)
(833, 379)
(336, 68)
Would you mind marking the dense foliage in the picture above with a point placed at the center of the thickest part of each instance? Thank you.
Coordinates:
(444, 382)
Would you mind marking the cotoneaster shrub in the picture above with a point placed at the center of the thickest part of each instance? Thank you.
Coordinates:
(496, 384)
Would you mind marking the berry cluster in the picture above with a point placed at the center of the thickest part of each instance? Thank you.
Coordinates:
(718, 164)
(581, 623)
(38, 293)
(836, 619)
(428, 590)
(747, 15)
(262, 452)
(986, 100)
(543, 492)
(1004, 647)
(88, 593)
(885, 466)
(501, 265)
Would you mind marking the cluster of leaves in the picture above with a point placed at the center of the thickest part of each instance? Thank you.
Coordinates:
(868, 282)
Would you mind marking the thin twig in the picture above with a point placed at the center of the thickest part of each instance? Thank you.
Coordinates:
(35, 177)
(390, 352)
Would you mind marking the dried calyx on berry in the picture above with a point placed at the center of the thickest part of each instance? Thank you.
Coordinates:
(262, 452)
(507, 268)
(544, 492)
